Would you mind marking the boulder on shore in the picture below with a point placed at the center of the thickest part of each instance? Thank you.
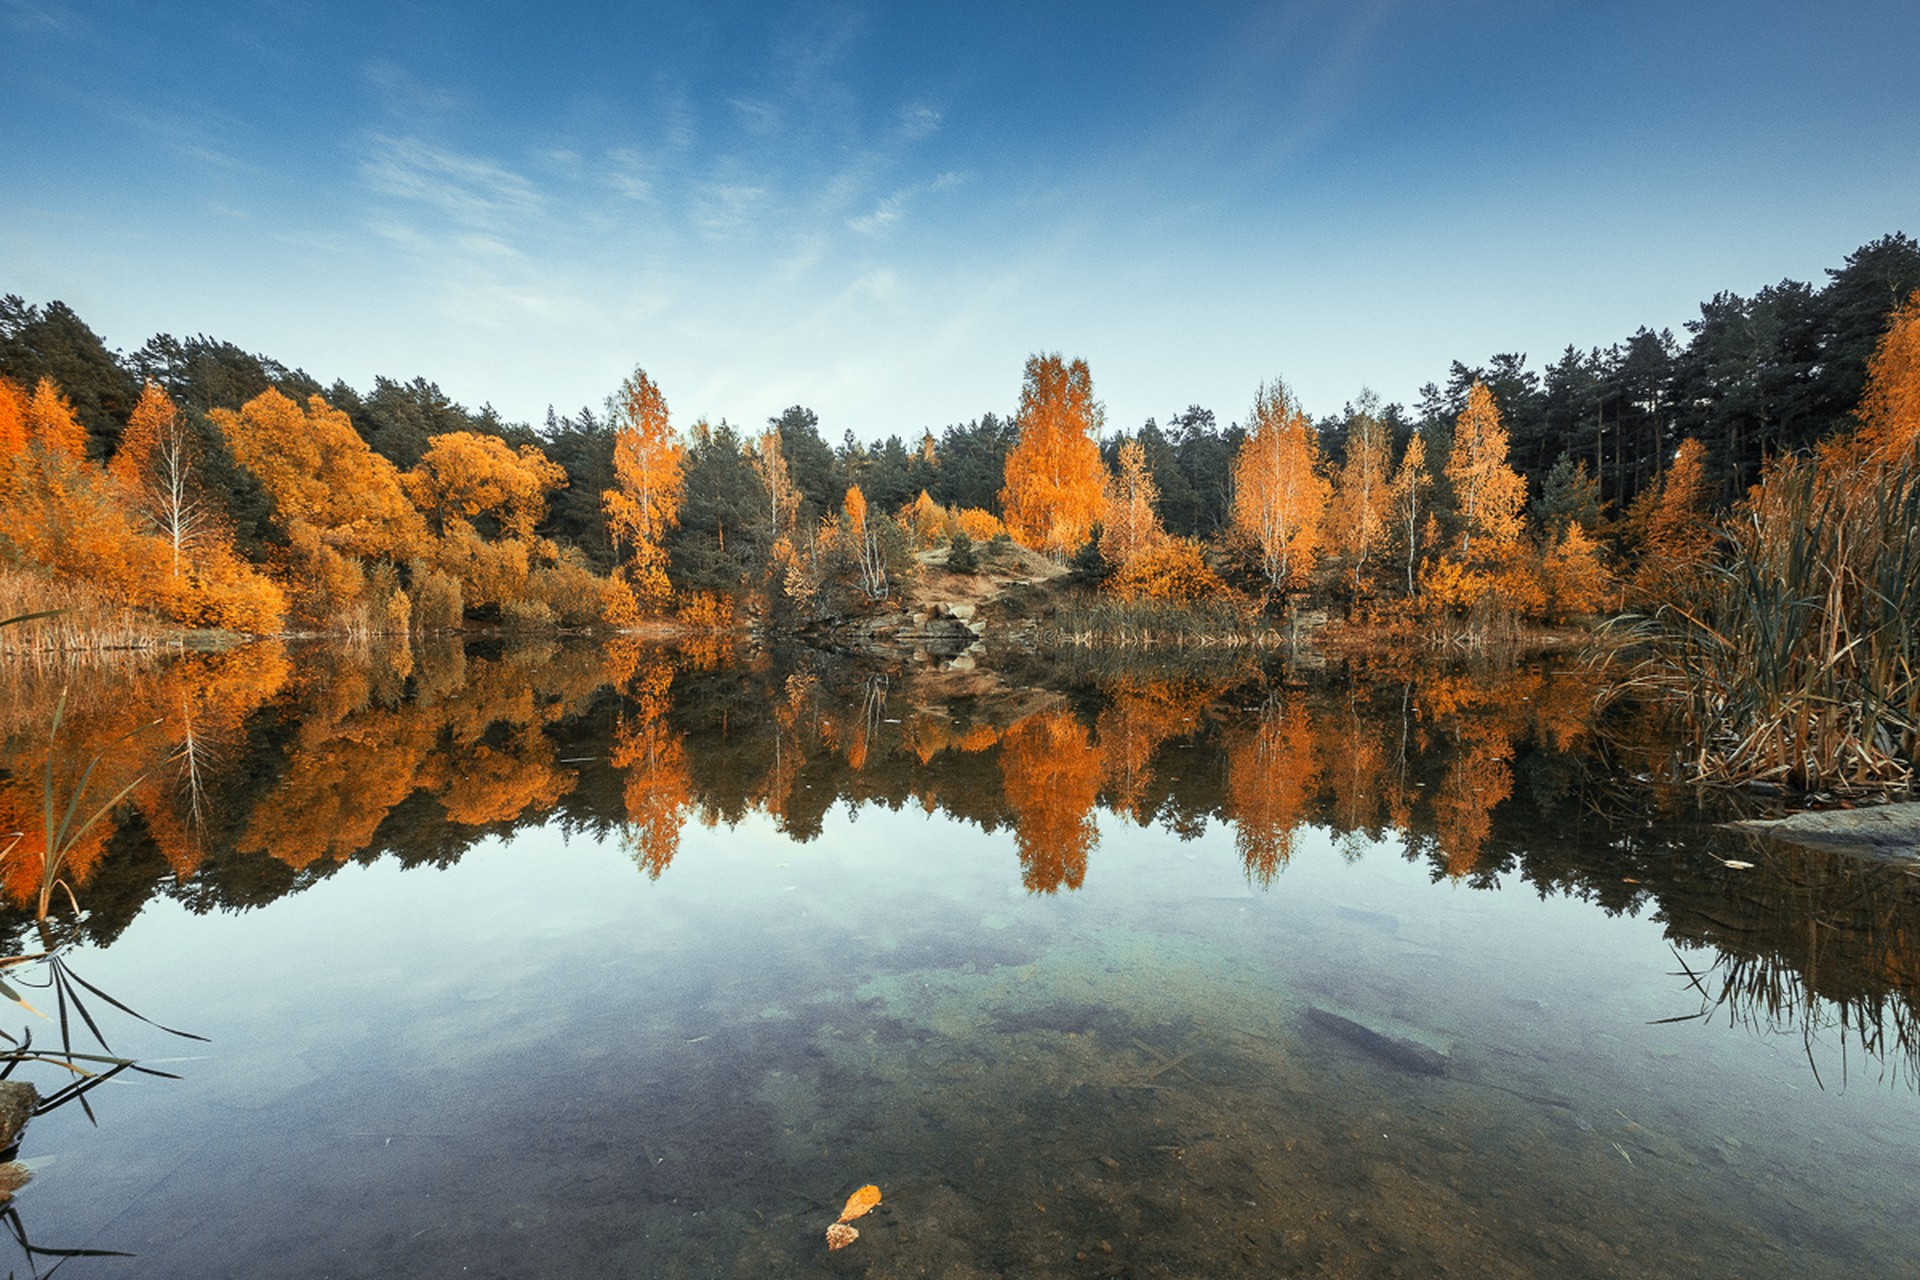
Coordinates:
(1890, 832)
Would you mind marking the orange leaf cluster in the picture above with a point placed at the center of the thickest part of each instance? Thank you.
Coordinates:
(649, 464)
(1129, 525)
(1053, 480)
(1280, 497)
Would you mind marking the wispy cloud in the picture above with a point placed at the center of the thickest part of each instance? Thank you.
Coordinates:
(467, 190)
(892, 209)
(918, 120)
(39, 15)
(761, 119)
(404, 94)
(726, 208)
(626, 173)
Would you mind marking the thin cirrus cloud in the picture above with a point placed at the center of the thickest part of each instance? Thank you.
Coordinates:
(463, 189)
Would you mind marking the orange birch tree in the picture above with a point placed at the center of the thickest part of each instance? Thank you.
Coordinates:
(649, 464)
(1272, 776)
(1675, 529)
(1482, 567)
(1053, 481)
(1890, 409)
(1129, 524)
(1409, 490)
(1279, 496)
(1362, 497)
(155, 464)
(51, 425)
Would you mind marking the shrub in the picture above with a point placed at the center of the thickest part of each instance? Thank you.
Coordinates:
(961, 557)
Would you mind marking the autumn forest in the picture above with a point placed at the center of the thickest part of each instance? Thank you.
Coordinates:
(195, 485)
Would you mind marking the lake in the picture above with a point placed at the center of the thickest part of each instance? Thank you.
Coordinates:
(574, 960)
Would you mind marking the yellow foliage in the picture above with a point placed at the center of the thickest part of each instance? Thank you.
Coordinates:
(1129, 525)
(1173, 570)
(925, 520)
(1890, 409)
(978, 525)
(1279, 495)
(1492, 496)
(1053, 478)
(648, 462)
(51, 425)
(13, 419)
(1574, 576)
(1674, 528)
(321, 474)
(707, 611)
(1272, 774)
(466, 476)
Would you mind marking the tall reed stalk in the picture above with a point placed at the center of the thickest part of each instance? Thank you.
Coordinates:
(1795, 659)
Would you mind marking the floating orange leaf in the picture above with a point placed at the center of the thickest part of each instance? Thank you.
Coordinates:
(840, 1235)
(860, 1203)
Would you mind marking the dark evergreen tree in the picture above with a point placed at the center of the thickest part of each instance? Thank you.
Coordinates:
(973, 463)
(721, 541)
(52, 342)
(583, 446)
(202, 373)
(809, 463)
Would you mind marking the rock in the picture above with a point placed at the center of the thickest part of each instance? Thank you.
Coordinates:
(1890, 832)
(958, 612)
(1397, 1052)
(17, 1101)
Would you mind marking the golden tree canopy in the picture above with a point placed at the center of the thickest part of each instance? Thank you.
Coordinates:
(1053, 479)
(1492, 496)
(321, 475)
(464, 476)
(1129, 524)
(1890, 409)
(1280, 497)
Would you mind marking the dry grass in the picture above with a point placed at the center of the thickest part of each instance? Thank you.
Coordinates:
(1798, 659)
(82, 619)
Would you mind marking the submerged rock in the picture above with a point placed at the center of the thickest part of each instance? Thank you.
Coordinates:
(1397, 1052)
(1887, 831)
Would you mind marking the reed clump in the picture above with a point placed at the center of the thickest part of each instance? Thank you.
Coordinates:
(1108, 623)
(71, 617)
(1792, 659)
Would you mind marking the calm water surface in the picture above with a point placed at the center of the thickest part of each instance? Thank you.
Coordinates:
(1119, 992)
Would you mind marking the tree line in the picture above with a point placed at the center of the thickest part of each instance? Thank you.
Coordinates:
(219, 487)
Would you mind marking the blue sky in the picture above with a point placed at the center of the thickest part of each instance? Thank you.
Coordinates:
(880, 210)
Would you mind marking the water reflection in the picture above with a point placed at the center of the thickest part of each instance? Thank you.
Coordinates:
(265, 770)
(1148, 972)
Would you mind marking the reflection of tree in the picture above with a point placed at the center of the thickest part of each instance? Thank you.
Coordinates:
(1140, 715)
(1486, 718)
(1354, 758)
(1477, 779)
(1051, 776)
(156, 727)
(658, 790)
(1271, 777)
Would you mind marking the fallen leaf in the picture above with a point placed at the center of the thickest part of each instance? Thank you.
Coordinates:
(860, 1202)
(840, 1235)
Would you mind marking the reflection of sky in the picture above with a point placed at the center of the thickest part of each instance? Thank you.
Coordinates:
(881, 211)
(458, 1060)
